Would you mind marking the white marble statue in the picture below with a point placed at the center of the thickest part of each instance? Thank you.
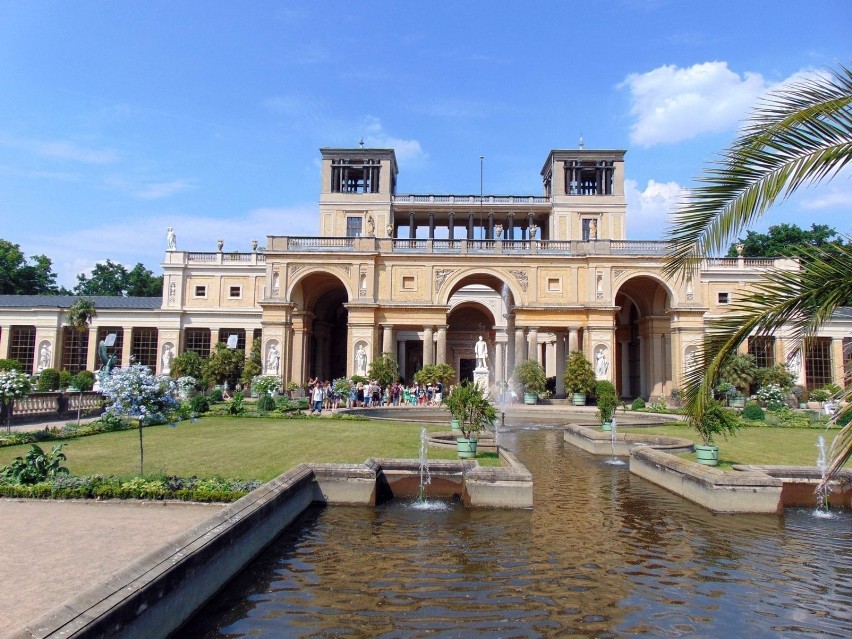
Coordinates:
(273, 360)
(361, 361)
(481, 350)
(44, 357)
(601, 363)
(167, 359)
(171, 239)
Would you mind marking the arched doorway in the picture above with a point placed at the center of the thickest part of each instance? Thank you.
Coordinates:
(320, 300)
(644, 339)
(466, 322)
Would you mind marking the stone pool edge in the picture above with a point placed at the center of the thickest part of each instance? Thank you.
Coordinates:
(156, 594)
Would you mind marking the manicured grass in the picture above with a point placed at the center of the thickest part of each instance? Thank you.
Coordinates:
(240, 448)
(765, 445)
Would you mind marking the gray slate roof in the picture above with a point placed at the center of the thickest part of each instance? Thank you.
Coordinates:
(65, 301)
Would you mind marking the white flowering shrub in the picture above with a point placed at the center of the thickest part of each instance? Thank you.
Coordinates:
(14, 385)
(263, 384)
(772, 396)
(186, 385)
(133, 391)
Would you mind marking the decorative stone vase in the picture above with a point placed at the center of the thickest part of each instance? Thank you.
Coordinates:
(530, 398)
(606, 425)
(455, 425)
(466, 448)
(707, 455)
(578, 399)
(738, 401)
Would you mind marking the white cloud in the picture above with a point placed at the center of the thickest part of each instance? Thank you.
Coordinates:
(143, 239)
(62, 150)
(670, 104)
(160, 190)
(376, 137)
(648, 210)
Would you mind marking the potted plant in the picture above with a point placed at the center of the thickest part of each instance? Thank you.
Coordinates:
(468, 405)
(739, 371)
(607, 401)
(532, 378)
(801, 395)
(579, 378)
(716, 420)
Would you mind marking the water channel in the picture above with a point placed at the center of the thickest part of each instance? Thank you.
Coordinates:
(602, 554)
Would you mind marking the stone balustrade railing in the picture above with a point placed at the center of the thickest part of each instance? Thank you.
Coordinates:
(56, 405)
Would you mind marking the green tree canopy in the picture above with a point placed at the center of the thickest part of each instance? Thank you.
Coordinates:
(785, 239)
(19, 276)
(113, 279)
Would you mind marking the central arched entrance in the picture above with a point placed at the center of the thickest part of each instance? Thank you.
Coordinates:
(320, 300)
(644, 339)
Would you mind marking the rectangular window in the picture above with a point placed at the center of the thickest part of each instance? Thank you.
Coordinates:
(353, 226)
(200, 291)
(763, 349)
(143, 347)
(408, 283)
(554, 284)
(355, 176)
(22, 346)
(118, 345)
(75, 347)
(235, 292)
(724, 298)
(818, 362)
(240, 333)
(197, 340)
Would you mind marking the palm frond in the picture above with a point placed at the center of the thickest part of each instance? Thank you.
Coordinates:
(798, 135)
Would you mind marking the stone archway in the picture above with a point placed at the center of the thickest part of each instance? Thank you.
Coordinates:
(643, 362)
(320, 323)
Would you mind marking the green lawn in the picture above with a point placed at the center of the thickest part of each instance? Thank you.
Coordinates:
(771, 446)
(240, 448)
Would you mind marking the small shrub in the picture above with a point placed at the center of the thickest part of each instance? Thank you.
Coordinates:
(216, 396)
(110, 422)
(10, 365)
(265, 403)
(637, 404)
(199, 404)
(65, 378)
(773, 396)
(237, 405)
(84, 380)
(48, 380)
(754, 412)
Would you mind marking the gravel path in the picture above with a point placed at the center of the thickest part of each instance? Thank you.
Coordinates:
(52, 550)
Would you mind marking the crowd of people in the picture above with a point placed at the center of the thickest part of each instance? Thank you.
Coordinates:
(326, 396)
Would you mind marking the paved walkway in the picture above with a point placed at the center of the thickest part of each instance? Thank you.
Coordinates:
(52, 550)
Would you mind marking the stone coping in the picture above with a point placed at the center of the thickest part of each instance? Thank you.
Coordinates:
(600, 442)
(154, 595)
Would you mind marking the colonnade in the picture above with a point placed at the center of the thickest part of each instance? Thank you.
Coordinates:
(470, 221)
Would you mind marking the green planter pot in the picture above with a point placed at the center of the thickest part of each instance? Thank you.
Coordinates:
(530, 398)
(738, 401)
(578, 399)
(466, 448)
(455, 425)
(606, 426)
(707, 455)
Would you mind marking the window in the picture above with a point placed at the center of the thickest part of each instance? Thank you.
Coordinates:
(589, 177)
(22, 345)
(197, 340)
(225, 333)
(116, 348)
(818, 362)
(763, 349)
(554, 284)
(235, 292)
(355, 176)
(75, 347)
(353, 226)
(408, 283)
(143, 346)
(200, 291)
(724, 298)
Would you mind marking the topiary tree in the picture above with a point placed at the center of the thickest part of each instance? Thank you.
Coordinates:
(84, 381)
(13, 385)
(579, 376)
(10, 365)
(531, 376)
(607, 399)
(252, 367)
(434, 373)
(384, 369)
(225, 365)
(48, 380)
(187, 364)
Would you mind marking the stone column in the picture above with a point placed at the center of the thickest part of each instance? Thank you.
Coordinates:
(573, 341)
(441, 355)
(412, 227)
(470, 226)
(431, 225)
(625, 369)
(559, 360)
(533, 351)
(387, 338)
(400, 354)
(498, 362)
(126, 345)
(509, 233)
(451, 223)
(92, 362)
(837, 363)
(520, 346)
(428, 346)
(643, 367)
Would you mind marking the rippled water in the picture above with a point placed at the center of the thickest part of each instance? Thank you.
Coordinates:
(602, 554)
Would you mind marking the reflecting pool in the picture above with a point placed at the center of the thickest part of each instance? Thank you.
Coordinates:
(602, 554)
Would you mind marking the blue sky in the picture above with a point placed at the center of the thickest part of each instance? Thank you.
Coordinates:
(118, 119)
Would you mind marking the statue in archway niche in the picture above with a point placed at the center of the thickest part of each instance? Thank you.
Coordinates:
(481, 351)
(361, 361)
(44, 357)
(273, 360)
(601, 363)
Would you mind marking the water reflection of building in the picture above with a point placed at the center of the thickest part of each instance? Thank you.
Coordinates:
(422, 275)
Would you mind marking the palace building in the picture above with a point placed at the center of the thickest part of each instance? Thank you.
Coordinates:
(422, 276)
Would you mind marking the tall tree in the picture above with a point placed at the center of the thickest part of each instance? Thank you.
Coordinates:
(784, 239)
(113, 279)
(799, 135)
(18, 277)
